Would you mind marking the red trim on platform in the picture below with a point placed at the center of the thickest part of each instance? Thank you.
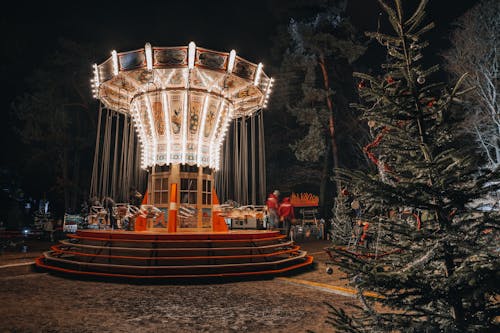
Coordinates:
(39, 262)
(110, 234)
(177, 237)
(56, 248)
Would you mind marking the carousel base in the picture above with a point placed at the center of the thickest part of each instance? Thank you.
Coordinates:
(160, 255)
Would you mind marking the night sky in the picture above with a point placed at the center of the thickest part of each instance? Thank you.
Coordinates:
(31, 31)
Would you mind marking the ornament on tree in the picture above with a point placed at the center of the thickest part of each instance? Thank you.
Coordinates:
(431, 103)
(389, 79)
(361, 84)
(421, 80)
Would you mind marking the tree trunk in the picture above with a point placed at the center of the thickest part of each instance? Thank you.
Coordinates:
(65, 182)
(76, 190)
(325, 180)
(331, 121)
(456, 306)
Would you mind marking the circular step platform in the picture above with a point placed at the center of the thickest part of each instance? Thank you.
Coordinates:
(160, 255)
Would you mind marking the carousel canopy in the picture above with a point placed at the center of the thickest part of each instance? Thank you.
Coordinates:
(181, 99)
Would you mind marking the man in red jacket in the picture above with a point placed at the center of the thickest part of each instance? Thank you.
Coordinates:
(272, 206)
(287, 215)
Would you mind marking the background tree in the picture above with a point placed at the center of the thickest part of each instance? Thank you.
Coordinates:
(476, 50)
(56, 121)
(315, 87)
(440, 275)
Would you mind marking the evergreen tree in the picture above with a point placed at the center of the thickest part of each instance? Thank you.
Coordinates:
(321, 48)
(441, 275)
(55, 119)
(343, 219)
(476, 50)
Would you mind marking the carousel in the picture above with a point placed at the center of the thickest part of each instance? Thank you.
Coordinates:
(184, 126)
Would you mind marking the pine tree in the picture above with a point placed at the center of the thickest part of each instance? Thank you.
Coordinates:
(320, 52)
(441, 275)
(55, 118)
(341, 229)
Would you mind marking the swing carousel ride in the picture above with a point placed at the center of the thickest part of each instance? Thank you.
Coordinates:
(167, 111)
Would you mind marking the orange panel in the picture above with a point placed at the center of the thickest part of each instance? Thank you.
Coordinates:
(172, 210)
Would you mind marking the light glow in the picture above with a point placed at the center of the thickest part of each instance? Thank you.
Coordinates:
(114, 57)
(191, 54)
(258, 72)
(167, 123)
(230, 64)
(213, 147)
(222, 135)
(152, 133)
(96, 75)
(141, 134)
(184, 127)
(149, 56)
(202, 128)
(95, 81)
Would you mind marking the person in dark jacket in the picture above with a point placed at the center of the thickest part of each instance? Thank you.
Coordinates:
(286, 214)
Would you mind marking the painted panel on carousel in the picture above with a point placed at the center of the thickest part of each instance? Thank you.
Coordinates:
(106, 70)
(176, 107)
(132, 60)
(211, 116)
(195, 106)
(244, 69)
(175, 56)
(211, 59)
(158, 116)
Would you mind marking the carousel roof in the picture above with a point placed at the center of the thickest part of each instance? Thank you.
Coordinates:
(181, 99)
(125, 76)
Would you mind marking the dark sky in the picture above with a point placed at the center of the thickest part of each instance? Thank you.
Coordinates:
(222, 25)
(30, 30)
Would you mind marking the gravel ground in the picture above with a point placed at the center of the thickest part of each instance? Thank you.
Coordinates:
(42, 302)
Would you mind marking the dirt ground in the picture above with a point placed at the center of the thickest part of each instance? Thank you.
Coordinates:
(42, 302)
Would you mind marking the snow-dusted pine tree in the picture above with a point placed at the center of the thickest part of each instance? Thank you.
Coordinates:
(476, 50)
(439, 275)
(343, 218)
(313, 73)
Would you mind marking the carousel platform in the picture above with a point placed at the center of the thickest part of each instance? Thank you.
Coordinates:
(161, 255)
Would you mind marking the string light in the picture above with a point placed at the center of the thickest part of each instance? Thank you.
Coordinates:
(258, 72)
(191, 54)
(114, 57)
(230, 64)
(149, 56)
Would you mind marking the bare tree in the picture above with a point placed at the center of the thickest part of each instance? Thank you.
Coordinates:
(476, 50)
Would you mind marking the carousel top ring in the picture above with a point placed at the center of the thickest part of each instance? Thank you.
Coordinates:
(181, 99)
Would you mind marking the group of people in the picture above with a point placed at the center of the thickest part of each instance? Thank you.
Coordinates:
(279, 212)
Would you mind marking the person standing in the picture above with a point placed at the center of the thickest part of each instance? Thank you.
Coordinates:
(49, 230)
(286, 214)
(272, 205)
(109, 204)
